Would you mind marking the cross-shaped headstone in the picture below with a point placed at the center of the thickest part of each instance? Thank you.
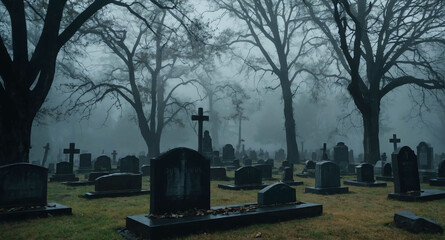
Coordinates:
(325, 155)
(394, 140)
(200, 118)
(45, 155)
(114, 153)
(71, 151)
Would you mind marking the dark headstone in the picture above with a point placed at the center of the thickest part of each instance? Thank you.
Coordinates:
(23, 185)
(64, 172)
(218, 173)
(327, 179)
(118, 182)
(341, 156)
(179, 180)
(406, 174)
(440, 180)
(270, 162)
(253, 155)
(413, 223)
(261, 161)
(387, 170)
(287, 175)
(51, 168)
(228, 153)
(310, 164)
(280, 155)
(425, 156)
(365, 172)
(102, 163)
(266, 170)
(85, 161)
(236, 163)
(207, 143)
(277, 193)
(441, 170)
(145, 169)
(247, 162)
(248, 176)
(64, 168)
(129, 164)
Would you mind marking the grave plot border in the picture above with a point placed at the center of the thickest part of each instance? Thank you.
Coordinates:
(142, 226)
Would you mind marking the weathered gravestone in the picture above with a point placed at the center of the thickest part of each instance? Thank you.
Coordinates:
(253, 155)
(129, 164)
(219, 174)
(179, 180)
(425, 162)
(117, 185)
(341, 156)
(277, 193)
(102, 164)
(270, 162)
(247, 161)
(308, 170)
(406, 178)
(145, 169)
(365, 177)
(280, 155)
(415, 224)
(180, 200)
(266, 171)
(228, 154)
(261, 161)
(440, 180)
(85, 163)
(64, 173)
(288, 177)
(327, 179)
(386, 173)
(23, 187)
(245, 178)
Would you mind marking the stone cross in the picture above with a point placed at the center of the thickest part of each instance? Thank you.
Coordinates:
(394, 140)
(45, 155)
(114, 153)
(200, 118)
(71, 151)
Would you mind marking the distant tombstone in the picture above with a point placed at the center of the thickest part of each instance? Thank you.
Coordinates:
(253, 155)
(129, 164)
(441, 170)
(23, 185)
(277, 193)
(351, 156)
(102, 163)
(179, 180)
(236, 163)
(425, 156)
(280, 155)
(378, 167)
(287, 175)
(248, 176)
(145, 169)
(114, 154)
(310, 164)
(117, 185)
(406, 174)
(341, 156)
(228, 153)
(64, 168)
(143, 160)
(64, 172)
(266, 170)
(365, 173)
(247, 162)
(440, 180)
(384, 157)
(51, 168)
(261, 161)
(387, 170)
(327, 179)
(207, 143)
(218, 173)
(85, 161)
(270, 162)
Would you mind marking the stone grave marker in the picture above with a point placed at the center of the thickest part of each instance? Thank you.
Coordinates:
(277, 193)
(102, 164)
(200, 118)
(440, 180)
(409, 221)
(386, 173)
(129, 164)
(179, 180)
(406, 178)
(85, 163)
(228, 154)
(266, 171)
(246, 178)
(23, 186)
(114, 154)
(218, 173)
(117, 185)
(207, 143)
(288, 177)
(64, 173)
(327, 179)
(145, 169)
(341, 156)
(308, 170)
(365, 177)
(425, 156)
(280, 155)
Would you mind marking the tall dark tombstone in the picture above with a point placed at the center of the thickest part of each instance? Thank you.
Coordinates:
(425, 156)
(280, 155)
(440, 180)
(179, 180)
(85, 162)
(207, 143)
(64, 173)
(228, 154)
(324, 156)
(129, 164)
(327, 179)
(341, 156)
(102, 164)
(23, 186)
(365, 177)
(200, 118)
(406, 179)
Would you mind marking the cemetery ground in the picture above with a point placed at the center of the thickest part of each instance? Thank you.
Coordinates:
(364, 213)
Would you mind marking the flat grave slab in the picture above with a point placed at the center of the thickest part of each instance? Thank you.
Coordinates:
(327, 190)
(241, 187)
(294, 183)
(51, 209)
(423, 195)
(437, 182)
(145, 227)
(364, 184)
(106, 194)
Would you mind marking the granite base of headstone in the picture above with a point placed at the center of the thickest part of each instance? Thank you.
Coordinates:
(23, 193)
(218, 174)
(365, 177)
(246, 178)
(415, 224)
(406, 179)
(327, 179)
(64, 173)
(275, 203)
(117, 185)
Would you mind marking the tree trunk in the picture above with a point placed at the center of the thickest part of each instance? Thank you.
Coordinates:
(371, 134)
(154, 146)
(289, 122)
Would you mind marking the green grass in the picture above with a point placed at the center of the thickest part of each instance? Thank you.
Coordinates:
(365, 213)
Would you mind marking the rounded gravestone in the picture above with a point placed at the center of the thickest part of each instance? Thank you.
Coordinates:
(327, 174)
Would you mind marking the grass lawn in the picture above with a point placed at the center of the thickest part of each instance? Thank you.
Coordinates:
(364, 213)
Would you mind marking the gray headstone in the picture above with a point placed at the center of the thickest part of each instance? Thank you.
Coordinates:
(277, 193)
(378, 168)
(218, 173)
(22, 185)
(406, 173)
(387, 170)
(129, 164)
(365, 172)
(85, 161)
(327, 174)
(288, 175)
(179, 180)
(425, 156)
(207, 143)
(341, 156)
(441, 170)
(102, 163)
(247, 176)
(228, 153)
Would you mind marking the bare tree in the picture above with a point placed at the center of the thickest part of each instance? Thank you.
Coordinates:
(276, 28)
(383, 45)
